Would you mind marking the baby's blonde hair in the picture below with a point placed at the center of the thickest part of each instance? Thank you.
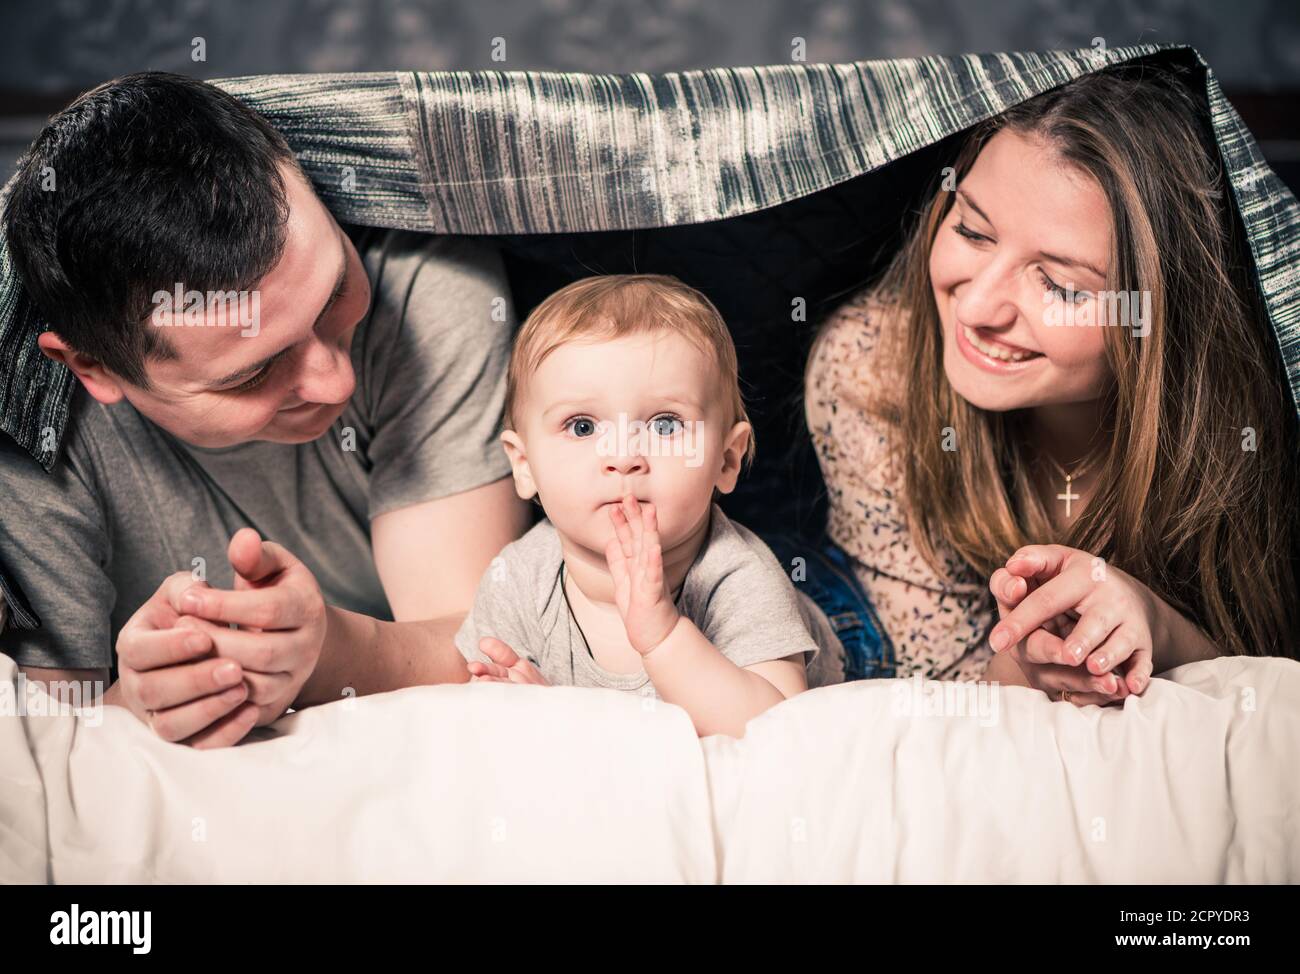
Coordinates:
(612, 306)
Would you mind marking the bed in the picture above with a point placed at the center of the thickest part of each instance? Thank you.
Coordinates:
(876, 781)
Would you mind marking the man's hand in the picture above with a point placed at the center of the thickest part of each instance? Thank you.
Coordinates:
(278, 607)
(192, 678)
(169, 677)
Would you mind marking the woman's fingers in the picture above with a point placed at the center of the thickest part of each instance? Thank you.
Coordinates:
(1137, 675)
(1007, 589)
(1120, 644)
(1058, 595)
(1095, 626)
(1041, 647)
(1091, 699)
(1052, 679)
(1040, 561)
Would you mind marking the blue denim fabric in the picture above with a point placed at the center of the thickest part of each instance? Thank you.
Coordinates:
(825, 573)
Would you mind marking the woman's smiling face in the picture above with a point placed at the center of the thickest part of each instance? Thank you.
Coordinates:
(1023, 228)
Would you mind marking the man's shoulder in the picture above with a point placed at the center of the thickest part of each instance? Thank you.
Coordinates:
(89, 434)
(451, 287)
(386, 250)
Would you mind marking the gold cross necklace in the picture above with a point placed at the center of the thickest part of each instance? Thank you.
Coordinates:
(1079, 471)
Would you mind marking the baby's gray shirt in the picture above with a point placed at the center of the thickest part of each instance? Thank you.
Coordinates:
(735, 592)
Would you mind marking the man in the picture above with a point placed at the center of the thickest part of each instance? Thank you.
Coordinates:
(248, 370)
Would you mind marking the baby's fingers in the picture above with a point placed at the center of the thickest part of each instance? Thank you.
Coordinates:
(525, 672)
(487, 669)
(635, 518)
(617, 563)
(622, 533)
(497, 651)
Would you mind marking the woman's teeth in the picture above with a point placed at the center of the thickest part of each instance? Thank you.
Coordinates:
(995, 351)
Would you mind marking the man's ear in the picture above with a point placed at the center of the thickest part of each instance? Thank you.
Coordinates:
(733, 454)
(102, 385)
(524, 485)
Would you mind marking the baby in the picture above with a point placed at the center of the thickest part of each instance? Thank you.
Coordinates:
(624, 420)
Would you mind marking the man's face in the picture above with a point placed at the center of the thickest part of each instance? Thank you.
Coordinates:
(285, 380)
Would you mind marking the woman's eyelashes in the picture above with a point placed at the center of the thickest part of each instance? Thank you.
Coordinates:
(1065, 294)
(583, 427)
(1070, 294)
(964, 231)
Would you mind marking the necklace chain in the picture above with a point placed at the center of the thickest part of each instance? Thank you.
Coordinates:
(1069, 497)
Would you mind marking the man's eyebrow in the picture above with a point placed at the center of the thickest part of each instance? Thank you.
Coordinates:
(251, 370)
(1066, 261)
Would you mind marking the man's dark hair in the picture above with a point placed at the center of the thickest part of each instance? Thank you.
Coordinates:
(157, 179)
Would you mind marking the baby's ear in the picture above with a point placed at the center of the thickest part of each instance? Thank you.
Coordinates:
(733, 455)
(518, 455)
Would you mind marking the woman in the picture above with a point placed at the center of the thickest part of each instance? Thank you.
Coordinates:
(1062, 401)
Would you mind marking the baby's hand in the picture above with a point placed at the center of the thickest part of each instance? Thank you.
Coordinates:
(637, 564)
(507, 666)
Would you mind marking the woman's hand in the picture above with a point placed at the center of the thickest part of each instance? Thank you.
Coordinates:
(1074, 623)
(507, 666)
(637, 564)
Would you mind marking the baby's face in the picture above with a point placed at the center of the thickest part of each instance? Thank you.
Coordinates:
(640, 412)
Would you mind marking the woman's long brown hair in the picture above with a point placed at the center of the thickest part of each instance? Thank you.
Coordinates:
(1182, 501)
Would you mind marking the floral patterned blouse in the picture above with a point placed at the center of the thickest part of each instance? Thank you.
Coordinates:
(939, 624)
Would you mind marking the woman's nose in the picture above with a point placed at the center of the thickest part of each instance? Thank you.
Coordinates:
(987, 299)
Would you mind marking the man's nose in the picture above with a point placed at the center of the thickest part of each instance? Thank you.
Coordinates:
(327, 374)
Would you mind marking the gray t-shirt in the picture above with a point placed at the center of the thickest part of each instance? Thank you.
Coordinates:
(129, 504)
(735, 592)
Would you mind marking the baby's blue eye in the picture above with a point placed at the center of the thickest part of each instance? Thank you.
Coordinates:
(665, 425)
(582, 426)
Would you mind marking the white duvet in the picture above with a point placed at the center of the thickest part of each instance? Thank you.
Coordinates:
(882, 781)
